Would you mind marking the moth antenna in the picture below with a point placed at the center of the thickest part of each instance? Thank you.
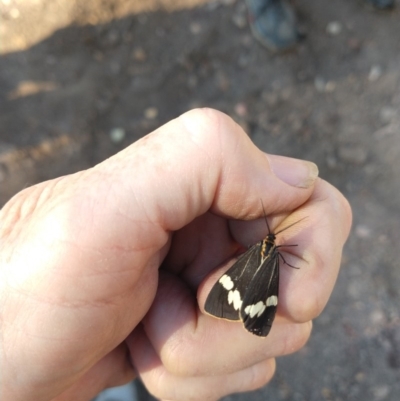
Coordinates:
(265, 217)
(290, 225)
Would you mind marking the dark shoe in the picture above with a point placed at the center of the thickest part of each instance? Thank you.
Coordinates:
(273, 23)
(381, 4)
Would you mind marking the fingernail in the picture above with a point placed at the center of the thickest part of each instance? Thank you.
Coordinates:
(295, 172)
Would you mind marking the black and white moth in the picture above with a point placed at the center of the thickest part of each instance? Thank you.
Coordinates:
(249, 290)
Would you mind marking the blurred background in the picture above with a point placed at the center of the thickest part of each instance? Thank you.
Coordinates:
(82, 79)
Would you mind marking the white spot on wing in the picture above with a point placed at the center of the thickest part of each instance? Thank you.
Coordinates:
(234, 297)
(226, 282)
(256, 309)
(272, 300)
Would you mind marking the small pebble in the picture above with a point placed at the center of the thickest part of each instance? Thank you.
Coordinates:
(375, 73)
(377, 317)
(195, 28)
(326, 393)
(139, 54)
(241, 109)
(360, 377)
(381, 392)
(330, 86)
(151, 113)
(324, 86)
(363, 231)
(319, 84)
(239, 20)
(331, 161)
(334, 28)
(117, 134)
(387, 114)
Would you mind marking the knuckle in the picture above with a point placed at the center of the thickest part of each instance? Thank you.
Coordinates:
(259, 375)
(156, 383)
(315, 292)
(201, 117)
(309, 309)
(209, 128)
(297, 335)
(179, 360)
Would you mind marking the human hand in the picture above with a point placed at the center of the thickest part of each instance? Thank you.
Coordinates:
(80, 257)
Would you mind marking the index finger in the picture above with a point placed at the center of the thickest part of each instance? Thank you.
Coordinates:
(305, 292)
(303, 295)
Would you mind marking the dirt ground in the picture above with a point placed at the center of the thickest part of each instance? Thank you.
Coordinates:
(80, 80)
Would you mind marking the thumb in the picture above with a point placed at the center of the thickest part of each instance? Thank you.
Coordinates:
(203, 160)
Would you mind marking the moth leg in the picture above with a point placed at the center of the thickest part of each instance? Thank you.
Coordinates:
(286, 263)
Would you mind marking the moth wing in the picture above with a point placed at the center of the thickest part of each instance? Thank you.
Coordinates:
(226, 297)
(261, 299)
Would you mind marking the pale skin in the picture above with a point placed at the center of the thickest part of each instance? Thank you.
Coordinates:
(82, 298)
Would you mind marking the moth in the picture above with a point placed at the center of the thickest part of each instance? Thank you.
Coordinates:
(249, 290)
